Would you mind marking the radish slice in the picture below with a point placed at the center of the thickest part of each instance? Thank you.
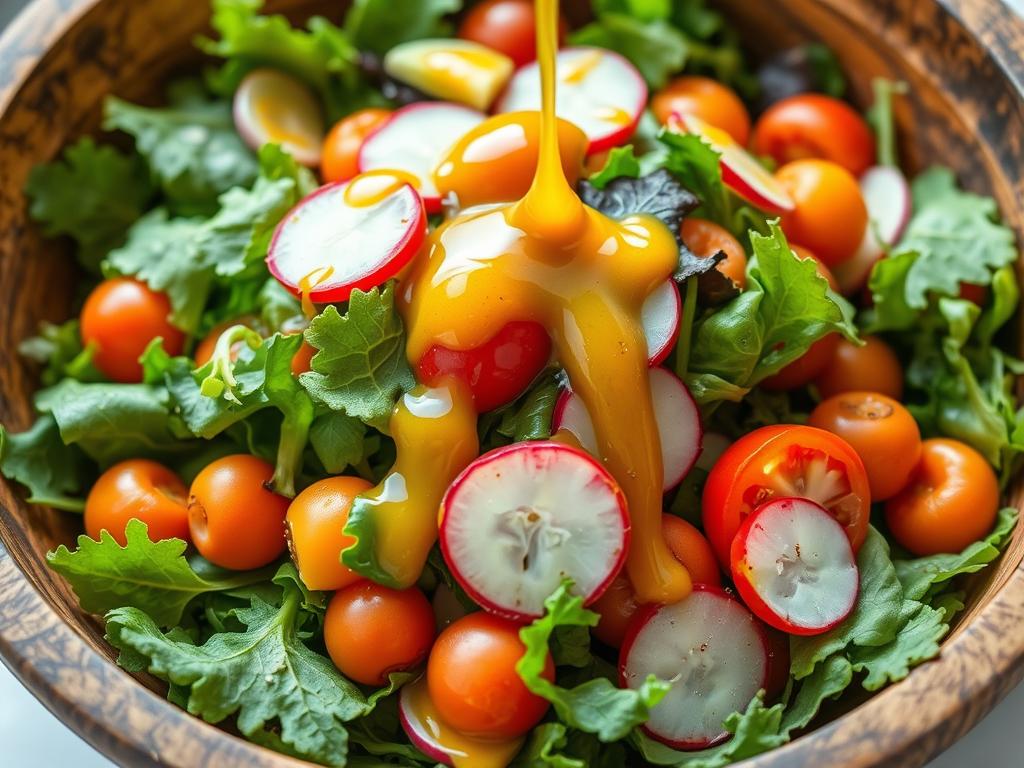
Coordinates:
(794, 567)
(714, 652)
(347, 235)
(889, 202)
(415, 139)
(598, 90)
(271, 107)
(421, 730)
(741, 171)
(660, 317)
(678, 418)
(521, 519)
(451, 69)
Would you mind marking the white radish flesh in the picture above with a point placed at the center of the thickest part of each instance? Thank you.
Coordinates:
(660, 317)
(271, 107)
(679, 425)
(334, 241)
(521, 519)
(598, 90)
(714, 653)
(415, 139)
(794, 567)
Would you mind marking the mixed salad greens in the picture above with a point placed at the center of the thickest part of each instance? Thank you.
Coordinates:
(246, 364)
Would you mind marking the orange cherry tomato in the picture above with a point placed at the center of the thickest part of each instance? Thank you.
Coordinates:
(137, 489)
(813, 125)
(371, 631)
(303, 359)
(691, 549)
(615, 607)
(473, 682)
(830, 216)
(120, 317)
(235, 521)
(872, 367)
(509, 26)
(881, 431)
(951, 500)
(618, 603)
(802, 370)
(340, 160)
(315, 523)
(785, 460)
(805, 254)
(706, 99)
(705, 238)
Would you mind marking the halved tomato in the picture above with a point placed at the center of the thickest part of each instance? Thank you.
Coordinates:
(785, 460)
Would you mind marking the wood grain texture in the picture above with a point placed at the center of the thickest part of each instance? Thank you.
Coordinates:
(965, 62)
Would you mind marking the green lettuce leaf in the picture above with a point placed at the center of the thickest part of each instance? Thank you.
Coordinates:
(916, 641)
(59, 348)
(378, 25)
(192, 148)
(339, 441)
(552, 745)
(55, 474)
(94, 193)
(621, 162)
(360, 366)
(265, 676)
(530, 417)
(655, 47)
(153, 577)
(595, 706)
(827, 681)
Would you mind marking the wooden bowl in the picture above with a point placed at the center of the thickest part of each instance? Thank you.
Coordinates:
(963, 60)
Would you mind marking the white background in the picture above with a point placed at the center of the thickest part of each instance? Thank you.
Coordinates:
(30, 737)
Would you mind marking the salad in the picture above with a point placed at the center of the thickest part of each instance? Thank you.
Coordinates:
(462, 386)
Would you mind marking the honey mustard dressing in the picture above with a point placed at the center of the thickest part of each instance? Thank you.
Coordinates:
(547, 258)
(463, 751)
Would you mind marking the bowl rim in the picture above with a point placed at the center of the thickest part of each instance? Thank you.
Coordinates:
(124, 720)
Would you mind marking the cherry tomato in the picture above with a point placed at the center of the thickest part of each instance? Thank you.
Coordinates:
(341, 146)
(978, 294)
(496, 372)
(951, 500)
(618, 603)
(830, 216)
(880, 430)
(812, 125)
(142, 490)
(371, 631)
(615, 607)
(706, 99)
(785, 460)
(691, 549)
(315, 523)
(872, 367)
(235, 521)
(509, 26)
(473, 682)
(705, 238)
(120, 317)
(802, 370)
(805, 254)
(303, 359)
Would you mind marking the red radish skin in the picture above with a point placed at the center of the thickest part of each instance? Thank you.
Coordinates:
(792, 531)
(418, 731)
(612, 85)
(500, 510)
(678, 420)
(741, 171)
(415, 139)
(661, 316)
(297, 252)
(665, 639)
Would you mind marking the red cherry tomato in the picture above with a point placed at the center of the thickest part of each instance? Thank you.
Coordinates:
(473, 681)
(785, 460)
(707, 99)
(496, 372)
(812, 125)
(508, 26)
(804, 368)
(139, 489)
(120, 317)
(830, 216)
(872, 367)
(705, 238)
(951, 500)
(371, 631)
(340, 159)
(615, 607)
